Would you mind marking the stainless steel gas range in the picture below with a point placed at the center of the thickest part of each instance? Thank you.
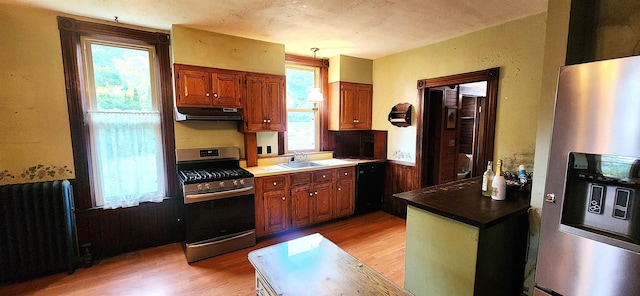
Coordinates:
(219, 201)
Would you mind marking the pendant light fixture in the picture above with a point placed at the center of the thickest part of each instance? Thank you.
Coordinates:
(315, 96)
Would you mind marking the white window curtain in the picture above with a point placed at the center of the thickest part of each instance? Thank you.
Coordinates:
(128, 166)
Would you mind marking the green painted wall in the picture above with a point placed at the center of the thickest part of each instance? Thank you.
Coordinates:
(350, 69)
(209, 49)
(440, 255)
(34, 125)
(516, 47)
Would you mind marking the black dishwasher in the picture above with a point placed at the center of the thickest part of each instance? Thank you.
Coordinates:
(369, 187)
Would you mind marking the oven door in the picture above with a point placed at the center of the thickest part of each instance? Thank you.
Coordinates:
(218, 226)
(219, 218)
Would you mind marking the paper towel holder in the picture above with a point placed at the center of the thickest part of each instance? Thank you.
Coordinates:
(400, 115)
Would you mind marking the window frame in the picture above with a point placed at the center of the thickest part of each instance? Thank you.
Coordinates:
(71, 33)
(316, 115)
(322, 77)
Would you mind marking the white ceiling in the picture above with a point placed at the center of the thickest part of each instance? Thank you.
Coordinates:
(362, 28)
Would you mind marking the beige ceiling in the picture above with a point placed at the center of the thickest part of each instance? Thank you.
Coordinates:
(362, 28)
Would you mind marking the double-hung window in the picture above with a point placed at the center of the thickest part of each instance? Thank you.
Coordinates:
(303, 123)
(120, 103)
(122, 113)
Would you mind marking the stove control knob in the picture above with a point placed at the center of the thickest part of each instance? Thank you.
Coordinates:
(221, 183)
(241, 182)
(207, 186)
(199, 186)
(235, 182)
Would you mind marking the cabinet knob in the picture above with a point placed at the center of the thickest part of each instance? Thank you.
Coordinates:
(215, 95)
(268, 120)
(310, 193)
(346, 174)
(324, 177)
(264, 120)
(206, 94)
(339, 189)
(316, 192)
(275, 183)
(283, 198)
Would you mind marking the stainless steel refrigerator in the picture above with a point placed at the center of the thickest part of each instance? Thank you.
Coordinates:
(590, 233)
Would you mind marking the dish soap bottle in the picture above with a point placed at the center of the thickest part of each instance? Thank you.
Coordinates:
(487, 179)
(499, 184)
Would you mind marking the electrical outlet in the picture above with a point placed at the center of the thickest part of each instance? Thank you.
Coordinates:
(259, 149)
(268, 149)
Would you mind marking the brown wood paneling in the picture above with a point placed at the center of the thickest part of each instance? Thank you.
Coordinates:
(251, 149)
(112, 232)
(400, 177)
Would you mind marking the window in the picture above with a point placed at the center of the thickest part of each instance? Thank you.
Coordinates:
(302, 121)
(120, 103)
(124, 124)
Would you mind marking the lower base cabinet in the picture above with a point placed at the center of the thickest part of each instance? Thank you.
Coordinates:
(296, 200)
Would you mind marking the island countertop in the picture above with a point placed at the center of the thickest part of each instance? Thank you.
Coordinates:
(463, 201)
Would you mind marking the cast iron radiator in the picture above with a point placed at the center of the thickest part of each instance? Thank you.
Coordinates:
(37, 230)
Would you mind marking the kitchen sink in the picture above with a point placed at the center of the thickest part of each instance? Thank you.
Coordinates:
(301, 164)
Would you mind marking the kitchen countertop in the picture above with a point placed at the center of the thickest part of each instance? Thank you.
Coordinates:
(331, 163)
(463, 201)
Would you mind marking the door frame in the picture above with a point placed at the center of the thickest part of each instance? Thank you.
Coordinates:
(485, 146)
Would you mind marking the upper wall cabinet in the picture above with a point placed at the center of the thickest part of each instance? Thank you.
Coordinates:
(265, 108)
(352, 104)
(204, 87)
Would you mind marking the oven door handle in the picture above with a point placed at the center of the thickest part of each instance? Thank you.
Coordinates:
(192, 198)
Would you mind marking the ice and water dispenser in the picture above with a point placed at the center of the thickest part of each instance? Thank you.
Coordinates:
(602, 199)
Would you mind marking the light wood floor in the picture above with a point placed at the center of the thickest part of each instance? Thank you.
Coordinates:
(377, 239)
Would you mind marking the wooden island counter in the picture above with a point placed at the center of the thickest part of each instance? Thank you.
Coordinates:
(462, 243)
(313, 265)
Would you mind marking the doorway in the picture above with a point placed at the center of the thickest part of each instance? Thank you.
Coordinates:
(456, 126)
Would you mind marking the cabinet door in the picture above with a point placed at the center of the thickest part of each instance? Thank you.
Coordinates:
(362, 107)
(253, 113)
(275, 212)
(345, 196)
(301, 205)
(347, 106)
(226, 89)
(274, 104)
(323, 193)
(193, 88)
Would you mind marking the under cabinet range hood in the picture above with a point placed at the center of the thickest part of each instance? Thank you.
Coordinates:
(211, 114)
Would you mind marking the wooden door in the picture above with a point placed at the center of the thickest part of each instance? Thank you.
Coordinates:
(226, 89)
(193, 88)
(323, 193)
(301, 205)
(254, 110)
(362, 108)
(275, 211)
(347, 106)
(274, 103)
(344, 202)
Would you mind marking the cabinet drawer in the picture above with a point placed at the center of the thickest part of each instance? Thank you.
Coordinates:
(300, 178)
(345, 173)
(323, 176)
(275, 182)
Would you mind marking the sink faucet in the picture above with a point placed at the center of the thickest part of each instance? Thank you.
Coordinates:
(299, 156)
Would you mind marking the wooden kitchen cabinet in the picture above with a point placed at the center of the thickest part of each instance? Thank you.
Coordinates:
(352, 103)
(272, 205)
(311, 200)
(203, 87)
(295, 200)
(345, 192)
(265, 108)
